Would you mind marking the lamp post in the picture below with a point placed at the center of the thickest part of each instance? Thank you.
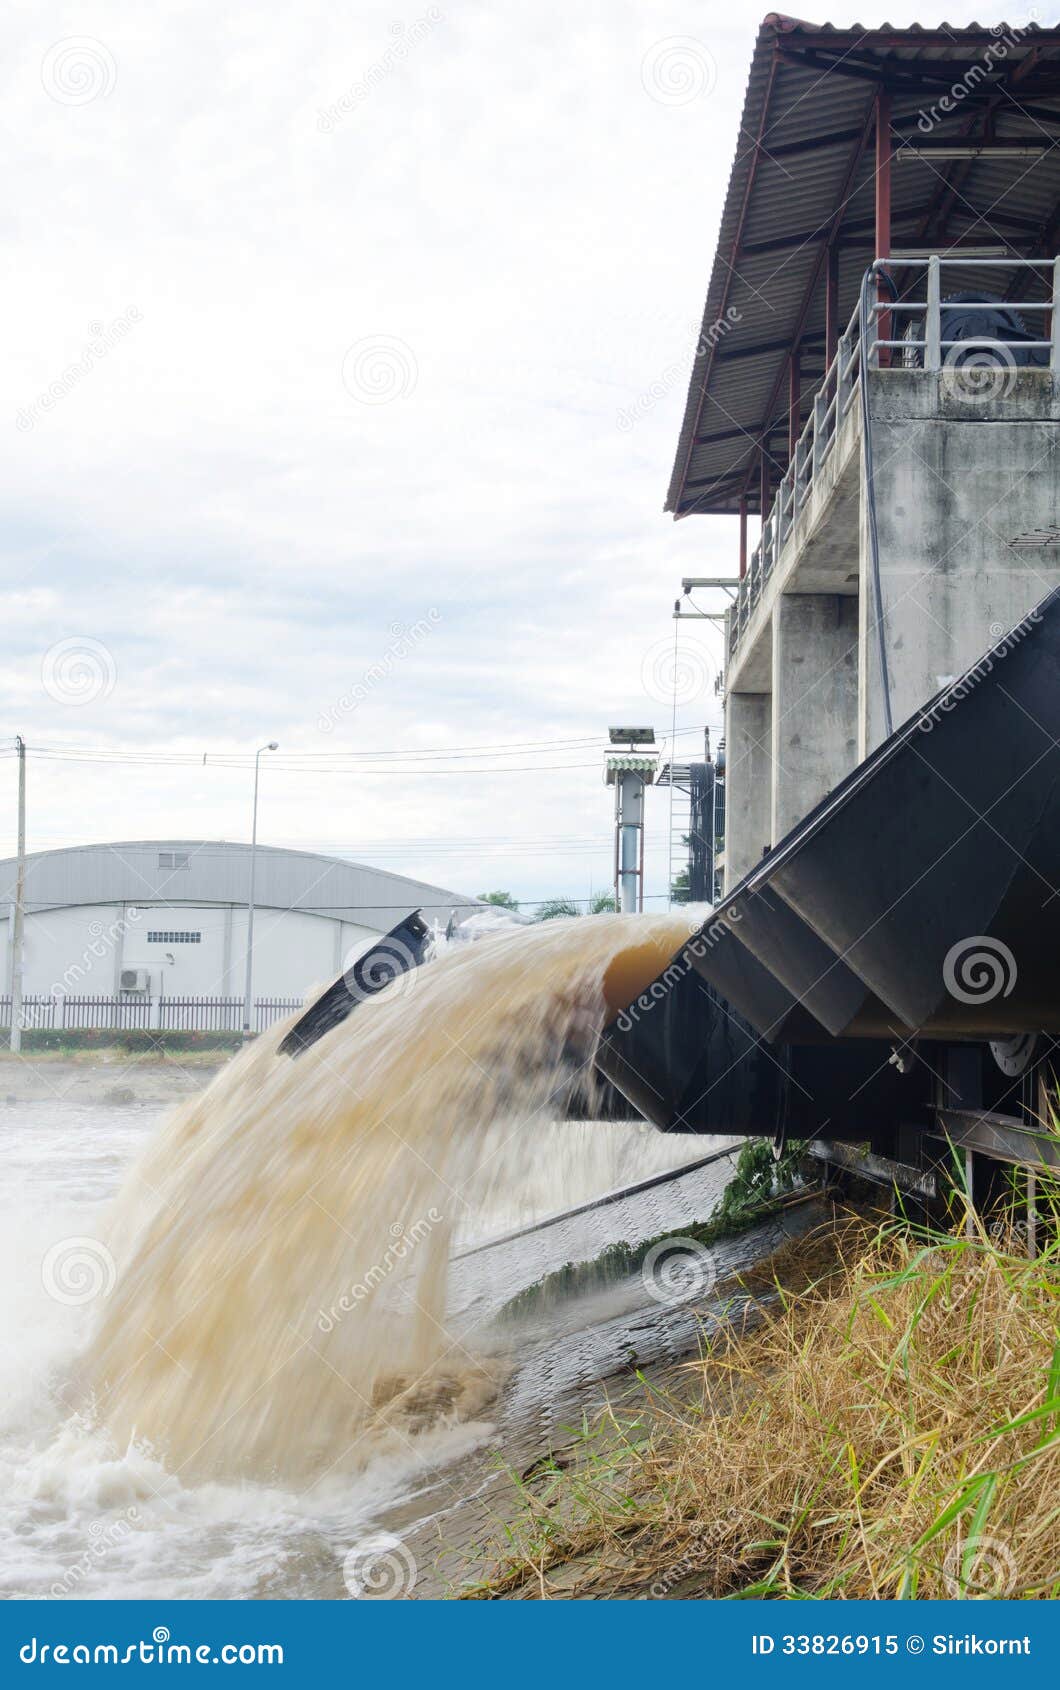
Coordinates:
(247, 1000)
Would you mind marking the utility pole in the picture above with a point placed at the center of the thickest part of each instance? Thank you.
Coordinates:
(18, 923)
(248, 1001)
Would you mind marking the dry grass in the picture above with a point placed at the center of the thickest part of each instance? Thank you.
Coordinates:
(888, 1426)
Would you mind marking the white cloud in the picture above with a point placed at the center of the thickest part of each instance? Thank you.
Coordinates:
(214, 505)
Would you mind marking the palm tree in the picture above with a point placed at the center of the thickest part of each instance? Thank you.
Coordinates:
(554, 907)
(602, 904)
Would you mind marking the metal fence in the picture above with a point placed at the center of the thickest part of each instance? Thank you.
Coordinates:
(159, 1014)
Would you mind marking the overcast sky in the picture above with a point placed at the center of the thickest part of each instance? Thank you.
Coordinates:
(383, 318)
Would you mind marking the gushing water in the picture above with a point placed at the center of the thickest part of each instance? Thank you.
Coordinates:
(280, 1309)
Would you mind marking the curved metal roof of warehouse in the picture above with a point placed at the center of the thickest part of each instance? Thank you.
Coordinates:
(804, 178)
(205, 871)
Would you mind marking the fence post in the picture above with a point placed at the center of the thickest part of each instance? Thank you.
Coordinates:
(933, 316)
(1054, 356)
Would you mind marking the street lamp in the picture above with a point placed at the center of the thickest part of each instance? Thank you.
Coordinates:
(247, 1001)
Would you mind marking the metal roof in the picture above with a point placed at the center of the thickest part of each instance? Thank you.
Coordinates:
(217, 872)
(804, 173)
(628, 762)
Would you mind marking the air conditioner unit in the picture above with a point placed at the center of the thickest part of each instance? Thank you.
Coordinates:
(135, 980)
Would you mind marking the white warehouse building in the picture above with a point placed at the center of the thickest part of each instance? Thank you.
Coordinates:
(168, 918)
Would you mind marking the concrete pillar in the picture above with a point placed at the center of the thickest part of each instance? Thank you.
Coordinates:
(749, 781)
(815, 701)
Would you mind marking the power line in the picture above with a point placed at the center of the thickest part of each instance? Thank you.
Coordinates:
(327, 759)
(304, 769)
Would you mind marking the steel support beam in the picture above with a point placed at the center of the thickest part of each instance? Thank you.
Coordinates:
(764, 346)
(884, 152)
(881, 1170)
(794, 402)
(831, 305)
(809, 294)
(1004, 1137)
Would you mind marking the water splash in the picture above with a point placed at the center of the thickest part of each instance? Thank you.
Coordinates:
(283, 1247)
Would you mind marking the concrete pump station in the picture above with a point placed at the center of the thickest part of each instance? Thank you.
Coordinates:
(876, 382)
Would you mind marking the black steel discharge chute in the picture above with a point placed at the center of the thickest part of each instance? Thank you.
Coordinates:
(919, 901)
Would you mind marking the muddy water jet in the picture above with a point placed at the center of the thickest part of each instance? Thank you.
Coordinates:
(335, 1183)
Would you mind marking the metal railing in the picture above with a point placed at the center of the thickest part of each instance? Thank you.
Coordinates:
(840, 390)
(831, 405)
(927, 314)
(62, 1012)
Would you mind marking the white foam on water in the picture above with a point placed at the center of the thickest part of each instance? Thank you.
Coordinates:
(193, 1429)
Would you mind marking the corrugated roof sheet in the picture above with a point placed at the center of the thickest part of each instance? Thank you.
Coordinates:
(628, 762)
(805, 156)
(217, 872)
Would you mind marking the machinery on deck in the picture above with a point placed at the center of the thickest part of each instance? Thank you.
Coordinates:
(877, 379)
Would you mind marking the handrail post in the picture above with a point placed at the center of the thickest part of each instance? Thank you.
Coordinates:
(820, 424)
(1054, 355)
(796, 480)
(933, 317)
(842, 385)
